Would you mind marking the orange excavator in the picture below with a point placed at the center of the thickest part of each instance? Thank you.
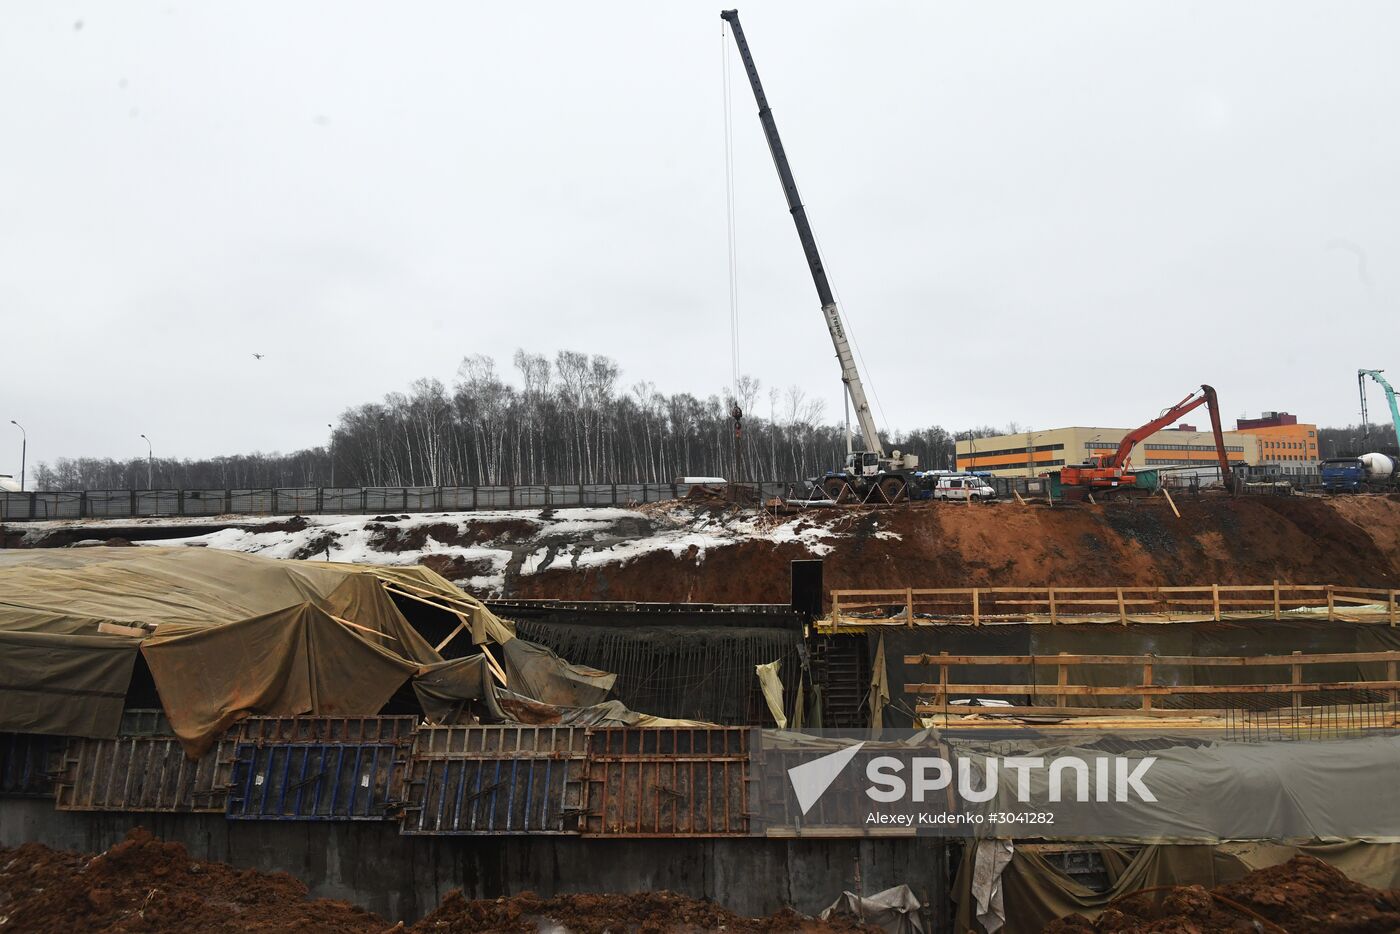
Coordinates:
(1111, 471)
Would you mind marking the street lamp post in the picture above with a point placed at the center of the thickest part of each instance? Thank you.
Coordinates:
(150, 464)
(23, 451)
(331, 449)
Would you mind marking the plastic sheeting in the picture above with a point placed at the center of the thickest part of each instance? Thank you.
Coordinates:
(894, 911)
(772, 687)
(1035, 892)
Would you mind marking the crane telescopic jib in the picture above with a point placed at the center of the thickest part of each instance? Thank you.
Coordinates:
(870, 465)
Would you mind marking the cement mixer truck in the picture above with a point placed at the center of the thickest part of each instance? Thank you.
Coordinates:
(1369, 473)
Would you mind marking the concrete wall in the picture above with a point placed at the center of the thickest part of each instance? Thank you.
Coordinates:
(403, 877)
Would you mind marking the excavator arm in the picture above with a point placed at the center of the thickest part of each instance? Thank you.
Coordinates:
(1113, 466)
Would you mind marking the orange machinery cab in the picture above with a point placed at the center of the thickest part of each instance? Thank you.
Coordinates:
(1095, 473)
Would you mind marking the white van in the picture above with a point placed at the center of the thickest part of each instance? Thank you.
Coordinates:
(962, 487)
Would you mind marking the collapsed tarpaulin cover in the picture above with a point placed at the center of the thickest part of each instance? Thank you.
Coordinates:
(536, 672)
(290, 662)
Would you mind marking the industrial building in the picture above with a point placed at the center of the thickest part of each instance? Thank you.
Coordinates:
(1283, 441)
(1035, 452)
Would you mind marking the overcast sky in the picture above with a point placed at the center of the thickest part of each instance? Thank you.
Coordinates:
(1051, 214)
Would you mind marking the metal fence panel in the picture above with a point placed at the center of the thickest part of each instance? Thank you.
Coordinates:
(316, 781)
(141, 773)
(495, 780)
(123, 504)
(667, 782)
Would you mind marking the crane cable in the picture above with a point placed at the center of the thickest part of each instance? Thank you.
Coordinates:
(725, 56)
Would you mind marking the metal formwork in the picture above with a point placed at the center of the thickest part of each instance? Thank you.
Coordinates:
(325, 729)
(495, 780)
(141, 773)
(316, 781)
(25, 763)
(667, 782)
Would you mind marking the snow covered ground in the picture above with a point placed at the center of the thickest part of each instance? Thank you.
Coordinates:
(480, 550)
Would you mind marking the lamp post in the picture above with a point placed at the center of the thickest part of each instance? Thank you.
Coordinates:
(331, 449)
(23, 451)
(150, 464)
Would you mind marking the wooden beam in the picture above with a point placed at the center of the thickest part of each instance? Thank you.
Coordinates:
(1157, 690)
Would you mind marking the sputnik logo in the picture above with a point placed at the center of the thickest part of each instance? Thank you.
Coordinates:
(810, 780)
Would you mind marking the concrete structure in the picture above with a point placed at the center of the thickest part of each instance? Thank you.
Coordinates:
(371, 864)
(1036, 452)
(1284, 442)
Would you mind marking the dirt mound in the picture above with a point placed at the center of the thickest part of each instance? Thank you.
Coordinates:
(472, 532)
(143, 884)
(596, 914)
(1245, 540)
(1303, 894)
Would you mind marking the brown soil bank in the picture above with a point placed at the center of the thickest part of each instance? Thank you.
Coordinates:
(1247, 540)
(1302, 895)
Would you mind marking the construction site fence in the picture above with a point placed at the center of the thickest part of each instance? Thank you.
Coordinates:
(1103, 684)
(137, 504)
(1054, 605)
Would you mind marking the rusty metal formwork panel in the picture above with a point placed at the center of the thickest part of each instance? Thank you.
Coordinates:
(141, 773)
(325, 729)
(26, 763)
(667, 782)
(495, 780)
(317, 780)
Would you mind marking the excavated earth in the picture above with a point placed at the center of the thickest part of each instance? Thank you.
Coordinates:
(1253, 540)
(703, 552)
(145, 884)
(1302, 895)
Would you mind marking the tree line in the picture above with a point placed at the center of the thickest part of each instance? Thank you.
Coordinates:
(564, 420)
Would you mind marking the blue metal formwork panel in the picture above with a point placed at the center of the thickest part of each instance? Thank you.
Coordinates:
(316, 781)
(25, 764)
(495, 780)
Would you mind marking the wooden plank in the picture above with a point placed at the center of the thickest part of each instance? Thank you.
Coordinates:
(1022, 711)
(1216, 661)
(1085, 690)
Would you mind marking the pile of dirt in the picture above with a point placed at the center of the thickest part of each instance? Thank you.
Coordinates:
(1303, 894)
(1244, 540)
(397, 539)
(144, 884)
(597, 914)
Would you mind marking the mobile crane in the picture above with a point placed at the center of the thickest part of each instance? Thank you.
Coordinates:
(867, 473)
(1111, 471)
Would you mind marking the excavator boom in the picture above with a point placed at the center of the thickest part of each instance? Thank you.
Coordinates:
(1112, 471)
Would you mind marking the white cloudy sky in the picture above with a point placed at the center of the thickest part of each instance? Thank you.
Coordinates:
(1052, 213)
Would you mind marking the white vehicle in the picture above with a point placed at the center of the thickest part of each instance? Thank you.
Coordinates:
(8, 484)
(963, 487)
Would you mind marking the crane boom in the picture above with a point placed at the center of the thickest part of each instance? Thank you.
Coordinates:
(849, 374)
(1389, 397)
